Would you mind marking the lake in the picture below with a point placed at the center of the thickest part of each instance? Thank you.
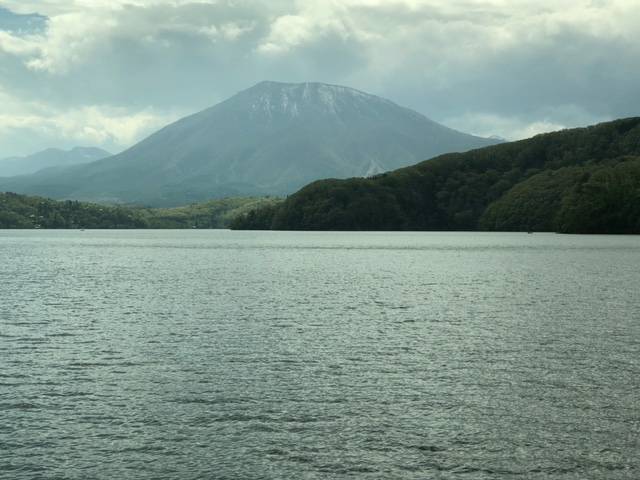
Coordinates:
(276, 355)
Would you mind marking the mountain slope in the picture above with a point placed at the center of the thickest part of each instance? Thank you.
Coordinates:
(583, 180)
(51, 157)
(270, 139)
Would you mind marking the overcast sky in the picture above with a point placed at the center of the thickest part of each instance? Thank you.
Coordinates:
(108, 72)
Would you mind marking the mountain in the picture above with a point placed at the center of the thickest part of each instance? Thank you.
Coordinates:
(52, 157)
(583, 180)
(22, 23)
(268, 140)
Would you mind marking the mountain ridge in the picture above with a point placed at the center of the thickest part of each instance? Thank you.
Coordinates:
(270, 139)
(49, 158)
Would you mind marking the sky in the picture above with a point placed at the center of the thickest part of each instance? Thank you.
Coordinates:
(107, 73)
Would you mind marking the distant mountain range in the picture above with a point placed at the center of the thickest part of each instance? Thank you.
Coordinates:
(268, 140)
(584, 180)
(50, 158)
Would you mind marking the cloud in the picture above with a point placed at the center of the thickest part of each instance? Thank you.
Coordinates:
(112, 128)
(17, 45)
(518, 127)
(505, 67)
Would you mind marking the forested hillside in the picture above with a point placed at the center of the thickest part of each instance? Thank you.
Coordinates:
(20, 211)
(581, 180)
(596, 198)
(212, 214)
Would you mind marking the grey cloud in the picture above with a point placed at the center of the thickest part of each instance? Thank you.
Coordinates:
(183, 56)
(495, 67)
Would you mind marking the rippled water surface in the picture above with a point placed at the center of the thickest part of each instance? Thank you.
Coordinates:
(224, 355)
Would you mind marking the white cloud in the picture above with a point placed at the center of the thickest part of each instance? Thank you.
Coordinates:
(509, 128)
(96, 125)
(287, 32)
(518, 127)
(19, 45)
(71, 39)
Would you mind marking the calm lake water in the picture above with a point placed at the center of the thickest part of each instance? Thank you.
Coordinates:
(271, 355)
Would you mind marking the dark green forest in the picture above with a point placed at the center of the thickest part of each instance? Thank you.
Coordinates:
(20, 211)
(212, 214)
(584, 180)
